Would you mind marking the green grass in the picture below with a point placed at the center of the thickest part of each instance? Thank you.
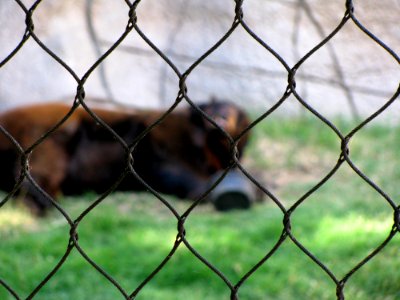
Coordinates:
(128, 235)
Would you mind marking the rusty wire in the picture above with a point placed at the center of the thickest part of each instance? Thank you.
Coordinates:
(183, 95)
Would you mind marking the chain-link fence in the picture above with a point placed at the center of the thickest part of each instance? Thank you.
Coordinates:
(183, 95)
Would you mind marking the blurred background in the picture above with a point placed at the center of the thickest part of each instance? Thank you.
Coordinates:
(350, 76)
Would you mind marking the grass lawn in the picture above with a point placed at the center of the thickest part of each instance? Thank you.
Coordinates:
(128, 235)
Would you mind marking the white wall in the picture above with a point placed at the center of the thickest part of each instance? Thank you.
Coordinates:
(240, 70)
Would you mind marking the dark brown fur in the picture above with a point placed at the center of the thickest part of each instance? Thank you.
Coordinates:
(177, 157)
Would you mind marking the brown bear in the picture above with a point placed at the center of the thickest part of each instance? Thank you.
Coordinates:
(177, 157)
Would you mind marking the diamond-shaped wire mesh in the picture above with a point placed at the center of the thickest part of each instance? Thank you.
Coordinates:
(183, 95)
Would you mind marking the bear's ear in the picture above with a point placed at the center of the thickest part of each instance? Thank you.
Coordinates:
(211, 108)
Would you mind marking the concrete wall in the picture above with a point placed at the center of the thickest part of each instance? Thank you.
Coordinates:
(350, 68)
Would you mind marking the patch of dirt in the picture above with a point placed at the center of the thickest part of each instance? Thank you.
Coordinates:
(278, 164)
